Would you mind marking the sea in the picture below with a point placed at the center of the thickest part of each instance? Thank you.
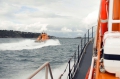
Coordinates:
(20, 57)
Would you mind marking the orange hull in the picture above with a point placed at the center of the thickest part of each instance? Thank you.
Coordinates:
(105, 24)
(43, 37)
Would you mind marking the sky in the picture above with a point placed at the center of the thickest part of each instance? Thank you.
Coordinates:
(61, 18)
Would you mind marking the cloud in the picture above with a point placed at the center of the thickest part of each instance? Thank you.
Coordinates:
(64, 29)
(35, 27)
(57, 17)
(79, 30)
(91, 18)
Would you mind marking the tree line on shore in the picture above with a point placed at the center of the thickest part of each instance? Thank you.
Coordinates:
(18, 34)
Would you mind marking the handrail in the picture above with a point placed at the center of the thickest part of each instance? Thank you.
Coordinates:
(84, 42)
(91, 68)
(47, 65)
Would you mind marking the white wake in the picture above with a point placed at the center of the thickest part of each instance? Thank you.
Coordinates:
(41, 75)
(28, 44)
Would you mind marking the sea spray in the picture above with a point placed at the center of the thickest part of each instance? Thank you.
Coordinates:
(28, 44)
(56, 72)
(20, 64)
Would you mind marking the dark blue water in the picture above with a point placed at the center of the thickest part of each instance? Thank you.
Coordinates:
(21, 57)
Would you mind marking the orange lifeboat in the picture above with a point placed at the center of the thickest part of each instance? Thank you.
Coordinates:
(42, 37)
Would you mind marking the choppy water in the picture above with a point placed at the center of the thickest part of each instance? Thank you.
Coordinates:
(21, 57)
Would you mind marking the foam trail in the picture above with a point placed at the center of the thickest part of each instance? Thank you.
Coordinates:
(28, 44)
(59, 70)
(41, 75)
(56, 72)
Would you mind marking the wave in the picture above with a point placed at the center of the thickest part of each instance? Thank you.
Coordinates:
(56, 72)
(28, 44)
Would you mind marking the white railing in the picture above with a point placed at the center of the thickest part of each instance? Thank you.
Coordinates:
(47, 66)
(91, 67)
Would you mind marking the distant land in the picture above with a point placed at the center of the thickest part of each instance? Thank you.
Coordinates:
(19, 34)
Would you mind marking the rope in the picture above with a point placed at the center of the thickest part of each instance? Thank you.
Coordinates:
(64, 70)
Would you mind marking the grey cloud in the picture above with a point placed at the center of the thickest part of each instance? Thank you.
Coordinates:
(56, 14)
(47, 15)
(55, 28)
(30, 2)
(64, 34)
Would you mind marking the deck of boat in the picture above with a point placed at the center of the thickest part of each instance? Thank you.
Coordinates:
(85, 62)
